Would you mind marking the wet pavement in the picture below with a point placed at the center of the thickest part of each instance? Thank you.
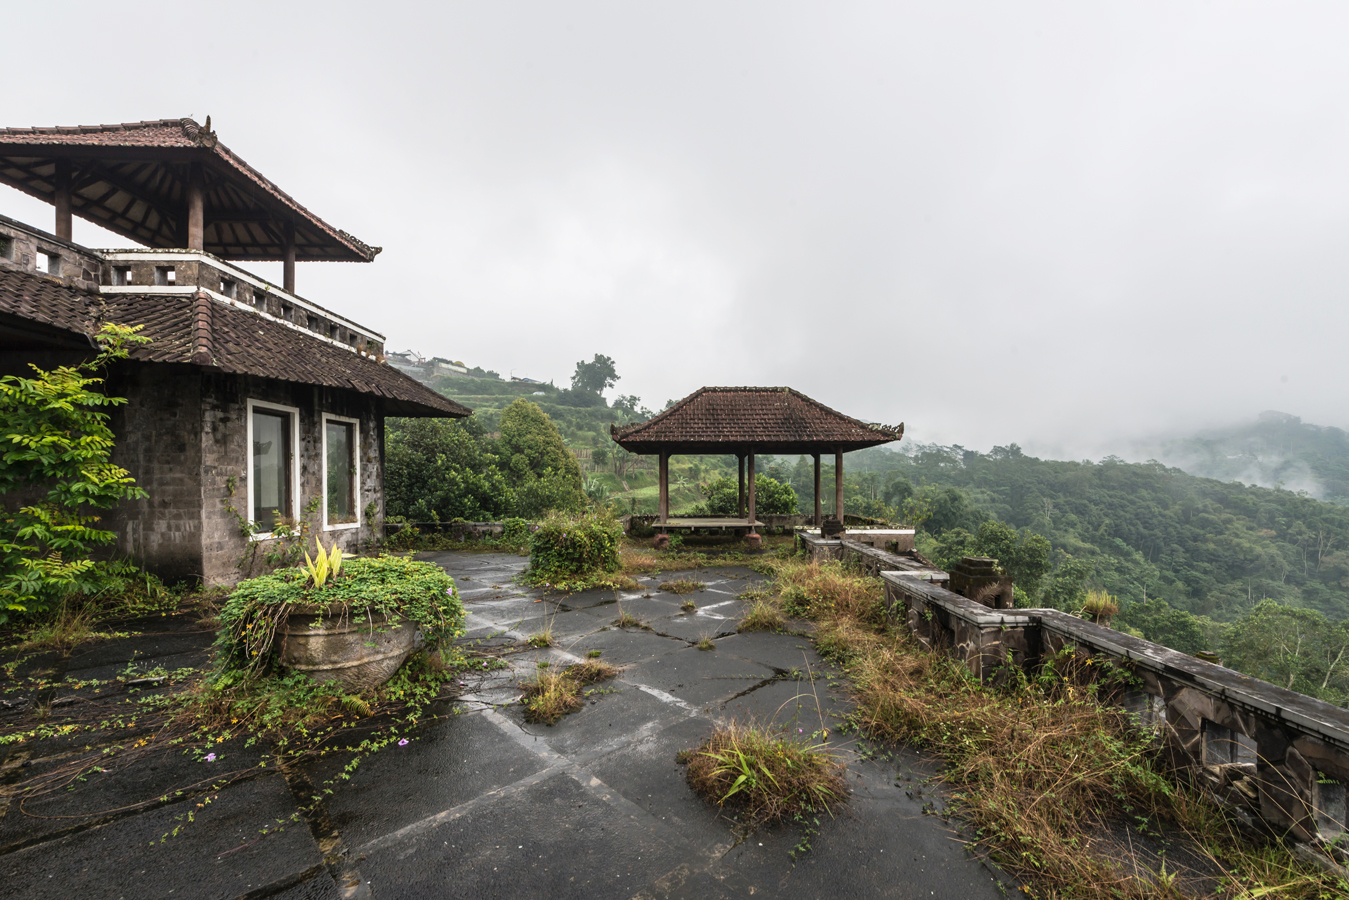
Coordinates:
(481, 804)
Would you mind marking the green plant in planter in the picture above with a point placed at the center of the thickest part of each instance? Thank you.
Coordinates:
(387, 591)
(328, 564)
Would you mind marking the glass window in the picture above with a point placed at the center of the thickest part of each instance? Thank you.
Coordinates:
(340, 443)
(271, 457)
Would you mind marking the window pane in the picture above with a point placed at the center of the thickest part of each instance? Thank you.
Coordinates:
(271, 451)
(341, 473)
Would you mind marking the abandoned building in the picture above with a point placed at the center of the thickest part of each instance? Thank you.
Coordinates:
(252, 409)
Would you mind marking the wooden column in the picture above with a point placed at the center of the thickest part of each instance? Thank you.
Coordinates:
(288, 266)
(819, 513)
(740, 494)
(196, 213)
(664, 487)
(63, 218)
(838, 485)
(751, 488)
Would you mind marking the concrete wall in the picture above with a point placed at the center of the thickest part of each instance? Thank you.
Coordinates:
(1278, 754)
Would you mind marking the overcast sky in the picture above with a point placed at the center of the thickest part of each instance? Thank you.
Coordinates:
(1061, 224)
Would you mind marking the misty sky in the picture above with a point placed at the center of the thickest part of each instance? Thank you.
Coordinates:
(1066, 225)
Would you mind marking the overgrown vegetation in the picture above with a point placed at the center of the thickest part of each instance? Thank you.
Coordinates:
(56, 470)
(1040, 767)
(440, 470)
(572, 552)
(555, 692)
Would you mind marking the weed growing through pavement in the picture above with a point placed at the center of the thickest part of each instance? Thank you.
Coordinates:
(763, 615)
(688, 606)
(683, 586)
(767, 774)
(555, 692)
(705, 643)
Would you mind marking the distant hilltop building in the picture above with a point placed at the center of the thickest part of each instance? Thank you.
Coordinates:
(252, 407)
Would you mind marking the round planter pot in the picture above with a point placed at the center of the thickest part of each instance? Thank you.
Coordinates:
(329, 644)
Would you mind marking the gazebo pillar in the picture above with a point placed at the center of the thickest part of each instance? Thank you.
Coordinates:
(740, 493)
(819, 512)
(751, 487)
(664, 487)
(838, 485)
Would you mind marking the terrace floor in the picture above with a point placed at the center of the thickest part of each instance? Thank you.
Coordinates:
(481, 804)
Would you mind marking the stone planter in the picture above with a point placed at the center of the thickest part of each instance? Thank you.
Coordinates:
(330, 644)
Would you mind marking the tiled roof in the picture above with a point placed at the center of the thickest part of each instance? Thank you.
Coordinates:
(42, 299)
(199, 330)
(765, 419)
(141, 195)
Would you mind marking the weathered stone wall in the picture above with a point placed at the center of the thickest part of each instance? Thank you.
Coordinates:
(30, 249)
(227, 556)
(158, 441)
(1280, 754)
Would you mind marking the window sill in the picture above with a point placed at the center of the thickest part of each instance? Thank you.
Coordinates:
(342, 526)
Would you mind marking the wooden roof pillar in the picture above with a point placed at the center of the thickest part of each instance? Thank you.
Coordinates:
(751, 490)
(196, 209)
(838, 484)
(664, 487)
(740, 493)
(819, 513)
(288, 266)
(62, 200)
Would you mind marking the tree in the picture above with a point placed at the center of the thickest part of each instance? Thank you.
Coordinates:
(534, 452)
(596, 376)
(1293, 648)
(1162, 623)
(437, 470)
(771, 498)
(600, 457)
(56, 444)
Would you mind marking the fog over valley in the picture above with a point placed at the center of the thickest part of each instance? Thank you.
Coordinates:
(1086, 229)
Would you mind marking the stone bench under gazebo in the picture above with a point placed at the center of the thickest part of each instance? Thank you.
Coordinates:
(746, 421)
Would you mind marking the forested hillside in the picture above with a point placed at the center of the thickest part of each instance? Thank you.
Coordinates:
(1205, 546)
(1276, 450)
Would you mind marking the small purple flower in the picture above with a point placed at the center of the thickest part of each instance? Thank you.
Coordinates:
(210, 757)
(449, 591)
(403, 742)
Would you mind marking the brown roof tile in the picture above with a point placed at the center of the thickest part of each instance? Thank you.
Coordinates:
(198, 329)
(765, 419)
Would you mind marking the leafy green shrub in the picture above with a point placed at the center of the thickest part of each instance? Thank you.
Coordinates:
(570, 548)
(394, 586)
(771, 498)
(55, 444)
(516, 533)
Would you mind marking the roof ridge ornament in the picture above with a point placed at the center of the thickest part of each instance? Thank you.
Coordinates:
(201, 135)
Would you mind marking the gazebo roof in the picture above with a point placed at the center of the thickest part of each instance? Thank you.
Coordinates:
(132, 180)
(758, 419)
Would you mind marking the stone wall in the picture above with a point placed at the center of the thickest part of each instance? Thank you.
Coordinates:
(225, 457)
(1278, 754)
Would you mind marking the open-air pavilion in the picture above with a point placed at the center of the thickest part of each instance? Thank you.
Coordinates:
(746, 421)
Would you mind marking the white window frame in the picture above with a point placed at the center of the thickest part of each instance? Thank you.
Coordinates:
(356, 475)
(294, 460)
